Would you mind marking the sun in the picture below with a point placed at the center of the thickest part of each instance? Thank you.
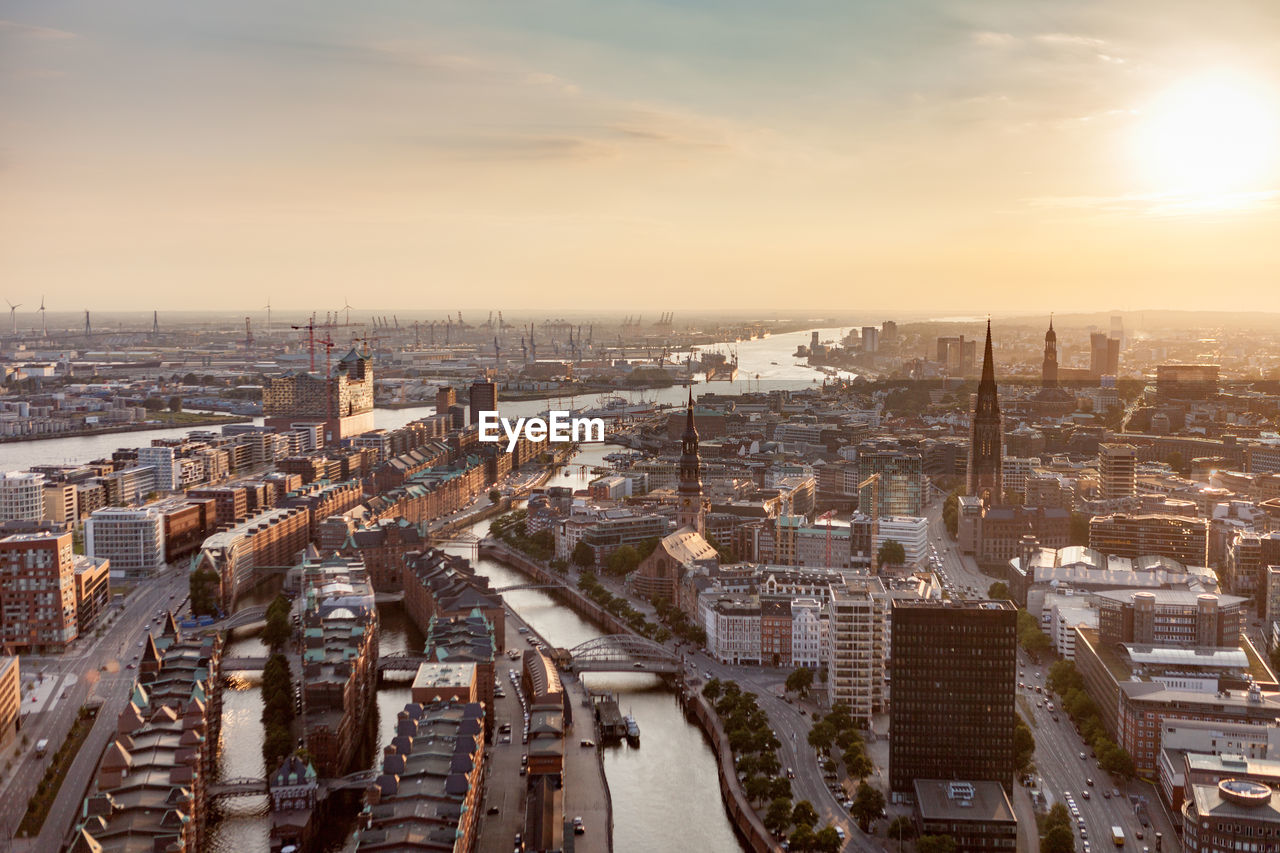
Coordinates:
(1210, 135)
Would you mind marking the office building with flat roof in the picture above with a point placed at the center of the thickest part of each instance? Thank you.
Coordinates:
(954, 674)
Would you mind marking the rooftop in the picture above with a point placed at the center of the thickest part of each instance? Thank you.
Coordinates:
(939, 799)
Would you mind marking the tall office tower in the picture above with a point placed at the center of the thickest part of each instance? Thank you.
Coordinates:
(1117, 470)
(1049, 369)
(689, 510)
(484, 398)
(985, 476)
(1097, 353)
(953, 667)
(446, 399)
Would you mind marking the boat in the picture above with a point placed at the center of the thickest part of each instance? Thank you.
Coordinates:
(633, 729)
(619, 407)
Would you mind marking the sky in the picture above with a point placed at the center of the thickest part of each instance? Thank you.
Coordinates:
(1005, 155)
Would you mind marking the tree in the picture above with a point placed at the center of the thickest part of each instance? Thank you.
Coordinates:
(935, 844)
(802, 838)
(858, 764)
(758, 788)
(1024, 744)
(712, 689)
(868, 803)
(279, 628)
(647, 547)
(175, 403)
(951, 513)
(778, 818)
(583, 556)
(1275, 659)
(804, 814)
(1058, 839)
(623, 561)
(1058, 816)
(204, 588)
(891, 553)
(821, 736)
(902, 829)
(998, 591)
(153, 404)
(827, 840)
(494, 496)
(800, 681)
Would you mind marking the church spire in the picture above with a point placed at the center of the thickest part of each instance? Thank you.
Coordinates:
(689, 511)
(988, 364)
(985, 477)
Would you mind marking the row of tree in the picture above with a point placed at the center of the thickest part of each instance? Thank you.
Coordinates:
(277, 710)
(621, 608)
(755, 751)
(1067, 682)
(204, 585)
(512, 529)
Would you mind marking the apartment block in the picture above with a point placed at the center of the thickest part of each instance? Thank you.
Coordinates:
(1182, 538)
(21, 496)
(857, 645)
(37, 593)
(132, 539)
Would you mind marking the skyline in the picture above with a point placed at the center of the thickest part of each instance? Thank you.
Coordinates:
(706, 155)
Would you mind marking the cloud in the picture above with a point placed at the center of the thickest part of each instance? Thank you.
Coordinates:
(30, 31)
(1166, 204)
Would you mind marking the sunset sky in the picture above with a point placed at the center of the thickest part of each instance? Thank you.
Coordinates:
(1010, 154)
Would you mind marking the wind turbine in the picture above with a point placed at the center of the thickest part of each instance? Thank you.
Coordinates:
(13, 315)
(346, 304)
(44, 330)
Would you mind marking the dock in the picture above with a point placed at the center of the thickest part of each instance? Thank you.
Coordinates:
(610, 726)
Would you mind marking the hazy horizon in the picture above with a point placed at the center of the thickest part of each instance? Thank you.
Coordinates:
(1004, 156)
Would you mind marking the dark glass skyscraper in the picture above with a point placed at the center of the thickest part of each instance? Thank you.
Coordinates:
(953, 669)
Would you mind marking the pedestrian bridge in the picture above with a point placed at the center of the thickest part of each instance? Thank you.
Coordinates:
(238, 787)
(401, 662)
(242, 664)
(245, 616)
(624, 653)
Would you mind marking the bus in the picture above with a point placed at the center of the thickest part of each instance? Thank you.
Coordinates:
(1117, 836)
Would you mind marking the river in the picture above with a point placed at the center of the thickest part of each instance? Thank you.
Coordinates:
(763, 363)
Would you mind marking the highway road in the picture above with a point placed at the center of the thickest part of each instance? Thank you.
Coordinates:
(100, 668)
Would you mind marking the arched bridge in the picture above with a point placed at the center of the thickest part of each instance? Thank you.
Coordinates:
(246, 616)
(624, 653)
(516, 586)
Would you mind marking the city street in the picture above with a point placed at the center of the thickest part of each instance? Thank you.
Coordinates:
(95, 669)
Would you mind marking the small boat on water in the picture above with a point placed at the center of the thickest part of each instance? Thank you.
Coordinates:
(633, 730)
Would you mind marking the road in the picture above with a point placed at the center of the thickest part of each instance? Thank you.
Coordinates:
(94, 669)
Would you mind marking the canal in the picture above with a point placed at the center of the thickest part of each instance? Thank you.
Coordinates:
(665, 793)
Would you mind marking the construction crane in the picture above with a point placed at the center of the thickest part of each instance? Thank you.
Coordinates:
(311, 336)
(827, 516)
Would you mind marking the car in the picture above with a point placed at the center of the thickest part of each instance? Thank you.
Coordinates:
(707, 675)
(1089, 782)
(1055, 718)
(505, 739)
(519, 842)
(524, 759)
(492, 810)
(637, 665)
(1082, 756)
(1115, 792)
(1084, 833)
(1075, 812)
(840, 832)
(523, 770)
(1084, 794)
(1137, 833)
(130, 666)
(1084, 847)
(1106, 795)
(578, 827)
(589, 744)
